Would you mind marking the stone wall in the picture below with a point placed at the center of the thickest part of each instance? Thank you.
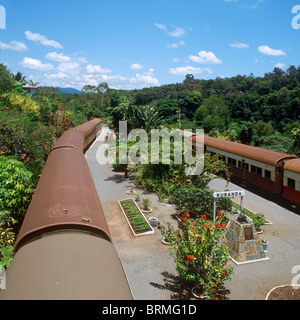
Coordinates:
(243, 241)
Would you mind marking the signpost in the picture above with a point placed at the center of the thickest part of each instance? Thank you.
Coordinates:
(228, 194)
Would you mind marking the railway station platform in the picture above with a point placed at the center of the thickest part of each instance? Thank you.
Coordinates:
(150, 268)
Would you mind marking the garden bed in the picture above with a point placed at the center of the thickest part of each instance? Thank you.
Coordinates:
(284, 292)
(137, 221)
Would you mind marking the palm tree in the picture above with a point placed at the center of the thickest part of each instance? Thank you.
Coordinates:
(149, 118)
(19, 77)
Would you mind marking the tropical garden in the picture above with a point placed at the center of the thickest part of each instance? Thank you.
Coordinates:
(260, 111)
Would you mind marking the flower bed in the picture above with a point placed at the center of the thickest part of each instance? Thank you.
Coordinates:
(135, 218)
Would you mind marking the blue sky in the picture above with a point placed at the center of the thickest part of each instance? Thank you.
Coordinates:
(137, 43)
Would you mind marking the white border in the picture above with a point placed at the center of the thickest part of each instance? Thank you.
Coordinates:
(140, 234)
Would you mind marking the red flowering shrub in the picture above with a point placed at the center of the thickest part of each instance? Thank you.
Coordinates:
(199, 254)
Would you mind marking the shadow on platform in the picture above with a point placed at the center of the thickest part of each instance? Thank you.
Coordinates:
(276, 198)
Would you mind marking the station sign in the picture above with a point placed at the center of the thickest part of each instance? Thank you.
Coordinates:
(229, 194)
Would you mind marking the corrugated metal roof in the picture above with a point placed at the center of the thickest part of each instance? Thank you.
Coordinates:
(254, 153)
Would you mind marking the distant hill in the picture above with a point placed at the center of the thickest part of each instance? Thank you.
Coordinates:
(68, 90)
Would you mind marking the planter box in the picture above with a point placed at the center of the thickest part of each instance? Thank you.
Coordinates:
(138, 223)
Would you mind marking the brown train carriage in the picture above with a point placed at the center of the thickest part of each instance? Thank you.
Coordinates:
(260, 167)
(64, 248)
(89, 130)
(291, 181)
(65, 198)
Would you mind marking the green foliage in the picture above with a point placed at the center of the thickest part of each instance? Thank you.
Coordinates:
(23, 103)
(212, 114)
(7, 238)
(198, 201)
(134, 216)
(199, 254)
(296, 137)
(16, 188)
(6, 79)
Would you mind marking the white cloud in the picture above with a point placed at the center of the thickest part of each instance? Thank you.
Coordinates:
(68, 67)
(182, 71)
(35, 64)
(13, 45)
(136, 66)
(208, 70)
(59, 76)
(239, 45)
(270, 52)
(36, 37)
(280, 65)
(205, 57)
(176, 45)
(96, 69)
(176, 32)
(161, 26)
(57, 57)
(144, 80)
(150, 72)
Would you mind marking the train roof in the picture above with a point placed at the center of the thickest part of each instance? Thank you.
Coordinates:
(293, 165)
(70, 139)
(67, 266)
(65, 198)
(250, 152)
(87, 126)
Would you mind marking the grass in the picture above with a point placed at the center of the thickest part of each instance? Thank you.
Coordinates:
(134, 216)
(258, 218)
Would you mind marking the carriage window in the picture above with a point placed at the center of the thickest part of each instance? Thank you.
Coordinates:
(229, 160)
(240, 164)
(253, 169)
(234, 162)
(267, 174)
(291, 183)
(259, 171)
(245, 166)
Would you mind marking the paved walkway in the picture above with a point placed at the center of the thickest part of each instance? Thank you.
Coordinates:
(151, 270)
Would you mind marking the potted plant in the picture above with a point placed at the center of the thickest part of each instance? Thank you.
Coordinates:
(131, 191)
(137, 195)
(153, 221)
(146, 205)
(264, 244)
(258, 221)
(166, 233)
(199, 254)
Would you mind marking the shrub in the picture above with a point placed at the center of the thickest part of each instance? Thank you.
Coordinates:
(198, 201)
(199, 254)
(15, 189)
